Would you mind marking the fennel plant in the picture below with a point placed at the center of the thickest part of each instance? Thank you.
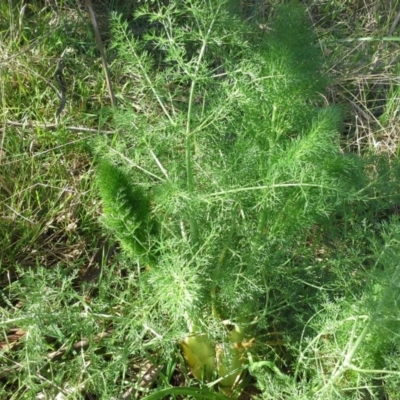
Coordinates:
(224, 162)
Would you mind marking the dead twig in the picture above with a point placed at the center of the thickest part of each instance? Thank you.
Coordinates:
(33, 124)
(81, 345)
(148, 377)
(395, 22)
(100, 47)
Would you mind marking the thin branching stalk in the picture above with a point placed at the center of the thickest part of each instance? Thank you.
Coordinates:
(189, 135)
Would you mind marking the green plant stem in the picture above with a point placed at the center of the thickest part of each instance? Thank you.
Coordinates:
(261, 223)
(148, 80)
(189, 137)
(273, 186)
(221, 260)
(373, 371)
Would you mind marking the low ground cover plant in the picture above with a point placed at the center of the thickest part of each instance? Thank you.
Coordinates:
(251, 237)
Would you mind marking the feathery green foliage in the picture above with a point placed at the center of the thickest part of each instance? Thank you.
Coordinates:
(243, 160)
(127, 208)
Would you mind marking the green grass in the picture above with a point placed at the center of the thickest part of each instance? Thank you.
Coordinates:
(78, 317)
